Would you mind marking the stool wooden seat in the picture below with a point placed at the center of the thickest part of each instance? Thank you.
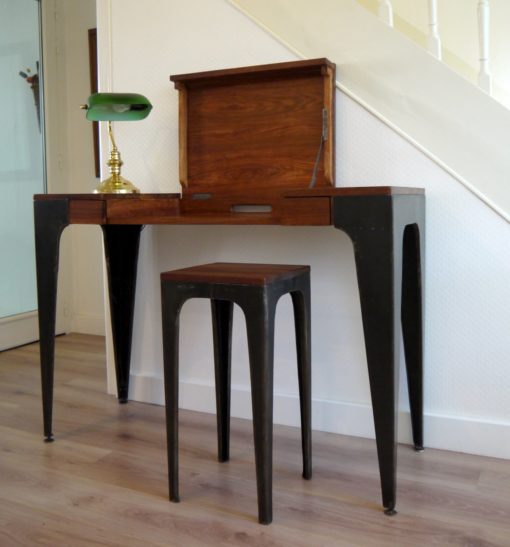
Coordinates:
(256, 288)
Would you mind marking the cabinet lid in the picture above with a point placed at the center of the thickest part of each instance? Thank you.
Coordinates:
(266, 127)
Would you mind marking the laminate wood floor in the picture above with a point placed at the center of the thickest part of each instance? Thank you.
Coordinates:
(104, 480)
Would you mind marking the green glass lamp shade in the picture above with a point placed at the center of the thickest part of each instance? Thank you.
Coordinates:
(112, 107)
(116, 107)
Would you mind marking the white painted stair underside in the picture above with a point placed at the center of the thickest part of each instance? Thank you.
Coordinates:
(452, 121)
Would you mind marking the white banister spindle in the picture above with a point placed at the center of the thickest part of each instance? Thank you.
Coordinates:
(484, 76)
(433, 42)
(385, 12)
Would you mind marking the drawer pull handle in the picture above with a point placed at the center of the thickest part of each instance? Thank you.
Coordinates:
(251, 208)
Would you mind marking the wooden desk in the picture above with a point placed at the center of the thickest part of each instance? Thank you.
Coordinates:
(386, 225)
(257, 146)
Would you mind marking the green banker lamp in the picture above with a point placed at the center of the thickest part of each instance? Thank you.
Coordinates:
(110, 107)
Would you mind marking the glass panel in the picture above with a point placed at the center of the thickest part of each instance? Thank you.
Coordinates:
(21, 152)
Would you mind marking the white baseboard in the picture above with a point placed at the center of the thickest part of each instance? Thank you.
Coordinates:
(443, 432)
(88, 324)
(18, 330)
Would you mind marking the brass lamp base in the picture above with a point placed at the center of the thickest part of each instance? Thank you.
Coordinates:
(116, 185)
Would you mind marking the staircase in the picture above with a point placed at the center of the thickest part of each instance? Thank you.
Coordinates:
(470, 36)
(450, 119)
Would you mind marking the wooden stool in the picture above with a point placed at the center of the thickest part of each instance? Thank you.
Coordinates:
(256, 288)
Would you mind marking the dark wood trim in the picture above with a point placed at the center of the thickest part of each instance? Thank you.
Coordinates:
(93, 89)
(105, 197)
(355, 191)
(309, 66)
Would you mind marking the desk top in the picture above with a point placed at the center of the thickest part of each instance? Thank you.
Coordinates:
(288, 208)
(296, 192)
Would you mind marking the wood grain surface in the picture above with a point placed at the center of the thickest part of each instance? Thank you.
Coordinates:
(104, 480)
(291, 206)
(235, 273)
(310, 67)
(256, 127)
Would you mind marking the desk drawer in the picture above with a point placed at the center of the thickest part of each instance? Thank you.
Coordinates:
(294, 211)
(142, 211)
(314, 211)
(83, 211)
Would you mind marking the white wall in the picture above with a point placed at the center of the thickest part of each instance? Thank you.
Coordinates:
(87, 303)
(467, 311)
(71, 158)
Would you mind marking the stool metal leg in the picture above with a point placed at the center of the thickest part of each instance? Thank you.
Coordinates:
(222, 311)
(260, 327)
(301, 303)
(170, 308)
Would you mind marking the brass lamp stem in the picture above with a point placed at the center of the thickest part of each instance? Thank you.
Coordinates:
(115, 184)
(114, 163)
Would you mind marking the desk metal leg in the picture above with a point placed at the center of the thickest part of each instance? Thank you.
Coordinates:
(412, 321)
(376, 226)
(50, 219)
(121, 243)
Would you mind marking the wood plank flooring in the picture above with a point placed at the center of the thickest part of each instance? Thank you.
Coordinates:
(104, 480)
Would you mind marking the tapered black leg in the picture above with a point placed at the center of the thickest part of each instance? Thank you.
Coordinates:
(301, 303)
(380, 305)
(377, 248)
(121, 245)
(50, 218)
(412, 326)
(170, 311)
(260, 327)
(222, 338)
